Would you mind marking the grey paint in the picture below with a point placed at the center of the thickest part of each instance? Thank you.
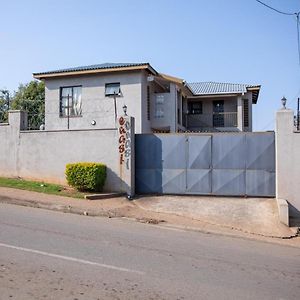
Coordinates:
(43, 155)
(95, 105)
(218, 164)
(287, 160)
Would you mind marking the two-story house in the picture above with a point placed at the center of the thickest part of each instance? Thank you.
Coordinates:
(95, 96)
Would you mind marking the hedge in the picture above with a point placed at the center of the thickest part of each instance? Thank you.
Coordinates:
(86, 176)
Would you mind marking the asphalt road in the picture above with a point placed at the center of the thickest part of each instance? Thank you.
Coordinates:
(52, 255)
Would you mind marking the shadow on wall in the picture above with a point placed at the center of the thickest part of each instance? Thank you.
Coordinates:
(294, 214)
(148, 168)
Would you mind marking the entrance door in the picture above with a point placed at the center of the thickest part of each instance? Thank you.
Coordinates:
(218, 113)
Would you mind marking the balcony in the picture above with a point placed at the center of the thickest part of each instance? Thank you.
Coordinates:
(218, 121)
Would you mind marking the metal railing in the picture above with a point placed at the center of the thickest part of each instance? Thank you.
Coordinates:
(210, 121)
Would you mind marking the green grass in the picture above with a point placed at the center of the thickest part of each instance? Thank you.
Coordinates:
(41, 187)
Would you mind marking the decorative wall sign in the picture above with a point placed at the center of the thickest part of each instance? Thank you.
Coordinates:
(126, 152)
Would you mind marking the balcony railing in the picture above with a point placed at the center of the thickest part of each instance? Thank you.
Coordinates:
(209, 121)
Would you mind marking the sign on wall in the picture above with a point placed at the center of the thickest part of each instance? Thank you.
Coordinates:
(126, 153)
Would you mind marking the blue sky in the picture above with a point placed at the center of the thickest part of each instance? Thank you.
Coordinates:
(237, 41)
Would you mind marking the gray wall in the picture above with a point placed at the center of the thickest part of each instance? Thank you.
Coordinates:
(287, 158)
(95, 106)
(169, 108)
(43, 155)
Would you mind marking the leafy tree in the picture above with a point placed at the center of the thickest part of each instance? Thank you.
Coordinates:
(31, 98)
(3, 107)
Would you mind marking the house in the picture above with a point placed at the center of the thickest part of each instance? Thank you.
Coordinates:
(94, 96)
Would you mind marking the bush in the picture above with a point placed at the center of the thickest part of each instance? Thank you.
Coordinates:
(86, 176)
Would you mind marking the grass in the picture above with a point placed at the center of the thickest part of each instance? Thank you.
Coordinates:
(41, 187)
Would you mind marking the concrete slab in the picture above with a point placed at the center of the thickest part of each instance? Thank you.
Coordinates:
(103, 196)
(251, 215)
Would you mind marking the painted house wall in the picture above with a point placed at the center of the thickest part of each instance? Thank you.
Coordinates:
(169, 108)
(95, 105)
(231, 104)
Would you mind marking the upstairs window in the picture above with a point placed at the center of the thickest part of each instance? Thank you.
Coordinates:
(195, 108)
(148, 103)
(246, 112)
(70, 101)
(112, 89)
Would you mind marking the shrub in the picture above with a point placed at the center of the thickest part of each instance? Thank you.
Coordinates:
(86, 176)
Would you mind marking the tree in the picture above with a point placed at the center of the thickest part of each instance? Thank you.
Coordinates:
(4, 98)
(31, 98)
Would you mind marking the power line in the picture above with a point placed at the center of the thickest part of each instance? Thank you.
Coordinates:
(279, 11)
(298, 37)
(287, 14)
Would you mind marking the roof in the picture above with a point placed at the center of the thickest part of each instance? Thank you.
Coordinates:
(105, 67)
(213, 88)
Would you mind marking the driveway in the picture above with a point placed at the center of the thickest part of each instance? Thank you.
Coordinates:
(251, 215)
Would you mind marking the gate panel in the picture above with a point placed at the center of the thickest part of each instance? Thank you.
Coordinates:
(225, 164)
(260, 173)
(148, 164)
(198, 181)
(261, 151)
(228, 151)
(228, 182)
(198, 164)
(260, 183)
(199, 152)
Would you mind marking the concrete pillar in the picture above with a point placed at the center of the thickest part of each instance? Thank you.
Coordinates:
(287, 164)
(240, 113)
(18, 119)
(284, 130)
(126, 146)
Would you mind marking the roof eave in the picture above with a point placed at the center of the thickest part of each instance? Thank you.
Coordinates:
(42, 76)
(255, 92)
(229, 94)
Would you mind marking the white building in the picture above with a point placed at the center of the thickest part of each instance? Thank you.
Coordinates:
(94, 96)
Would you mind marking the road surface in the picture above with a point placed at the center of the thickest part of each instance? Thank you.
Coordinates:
(52, 255)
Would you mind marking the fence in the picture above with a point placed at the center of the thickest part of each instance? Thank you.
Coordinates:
(35, 116)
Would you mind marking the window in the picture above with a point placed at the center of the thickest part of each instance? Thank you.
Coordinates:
(159, 106)
(246, 112)
(218, 113)
(70, 101)
(112, 89)
(195, 108)
(148, 102)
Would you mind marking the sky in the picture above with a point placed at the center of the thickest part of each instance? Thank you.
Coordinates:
(237, 41)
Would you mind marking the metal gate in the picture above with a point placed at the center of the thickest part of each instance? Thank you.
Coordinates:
(229, 164)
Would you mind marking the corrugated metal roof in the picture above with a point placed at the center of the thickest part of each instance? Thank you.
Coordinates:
(211, 88)
(94, 67)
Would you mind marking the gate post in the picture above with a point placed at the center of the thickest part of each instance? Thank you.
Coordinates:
(126, 140)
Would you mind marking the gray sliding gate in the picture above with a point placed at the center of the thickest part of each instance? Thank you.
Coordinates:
(236, 164)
